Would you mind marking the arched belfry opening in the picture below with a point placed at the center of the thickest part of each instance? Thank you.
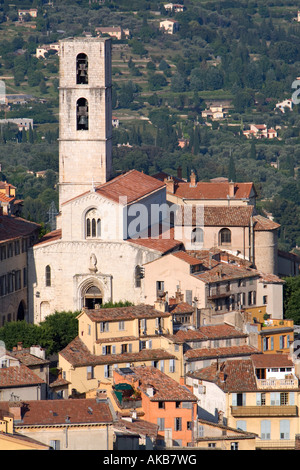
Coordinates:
(82, 66)
(82, 114)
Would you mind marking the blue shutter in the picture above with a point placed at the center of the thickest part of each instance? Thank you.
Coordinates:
(284, 429)
(242, 425)
(265, 429)
(234, 399)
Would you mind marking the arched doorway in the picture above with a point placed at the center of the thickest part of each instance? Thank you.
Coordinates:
(92, 297)
(21, 311)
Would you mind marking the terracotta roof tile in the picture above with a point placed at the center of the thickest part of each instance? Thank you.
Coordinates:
(272, 360)
(181, 307)
(214, 216)
(205, 333)
(124, 313)
(165, 388)
(50, 237)
(183, 255)
(139, 426)
(208, 190)
(18, 376)
(224, 272)
(12, 227)
(53, 412)
(231, 351)
(163, 243)
(263, 223)
(28, 359)
(132, 185)
(77, 354)
(231, 376)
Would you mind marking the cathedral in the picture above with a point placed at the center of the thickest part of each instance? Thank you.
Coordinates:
(102, 242)
(92, 257)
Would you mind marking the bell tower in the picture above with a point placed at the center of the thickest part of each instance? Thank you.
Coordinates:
(85, 117)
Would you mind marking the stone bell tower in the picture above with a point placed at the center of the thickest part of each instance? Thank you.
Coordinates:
(85, 118)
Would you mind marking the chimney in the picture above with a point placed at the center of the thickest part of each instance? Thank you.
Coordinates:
(161, 305)
(19, 346)
(169, 182)
(193, 179)
(231, 189)
(179, 172)
(178, 296)
(15, 408)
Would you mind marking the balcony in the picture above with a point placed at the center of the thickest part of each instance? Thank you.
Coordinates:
(273, 383)
(126, 397)
(264, 411)
(282, 444)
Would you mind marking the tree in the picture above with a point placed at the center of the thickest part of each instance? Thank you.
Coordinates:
(291, 298)
(13, 332)
(231, 169)
(58, 330)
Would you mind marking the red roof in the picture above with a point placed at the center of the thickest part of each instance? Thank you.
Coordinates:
(54, 412)
(212, 190)
(214, 216)
(18, 376)
(12, 227)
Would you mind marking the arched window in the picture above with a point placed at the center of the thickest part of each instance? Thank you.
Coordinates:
(92, 224)
(48, 275)
(225, 236)
(197, 235)
(82, 70)
(82, 115)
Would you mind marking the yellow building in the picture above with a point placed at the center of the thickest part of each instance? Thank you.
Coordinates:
(120, 337)
(274, 335)
(9, 439)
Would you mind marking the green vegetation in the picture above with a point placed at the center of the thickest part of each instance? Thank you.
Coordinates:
(244, 52)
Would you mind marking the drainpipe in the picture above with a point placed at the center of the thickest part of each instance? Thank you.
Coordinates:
(251, 240)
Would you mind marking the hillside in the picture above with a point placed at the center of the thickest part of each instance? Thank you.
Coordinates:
(243, 56)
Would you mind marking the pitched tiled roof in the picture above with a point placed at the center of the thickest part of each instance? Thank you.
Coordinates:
(124, 313)
(209, 332)
(50, 237)
(139, 426)
(261, 224)
(18, 376)
(165, 388)
(224, 272)
(28, 359)
(214, 216)
(272, 360)
(77, 354)
(231, 376)
(184, 256)
(231, 351)
(12, 227)
(181, 307)
(209, 190)
(132, 185)
(164, 242)
(53, 412)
